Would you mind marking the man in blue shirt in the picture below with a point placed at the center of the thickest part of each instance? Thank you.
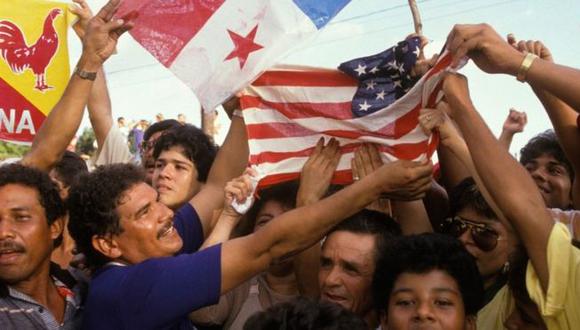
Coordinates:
(148, 275)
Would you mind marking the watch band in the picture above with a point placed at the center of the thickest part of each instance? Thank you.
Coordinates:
(525, 67)
(85, 75)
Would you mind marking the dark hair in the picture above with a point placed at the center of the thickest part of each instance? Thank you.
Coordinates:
(49, 197)
(305, 314)
(545, 143)
(92, 206)
(120, 118)
(420, 254)
(283, 193)
(466, 194)
(197, 147)
(160, 127)
(69, 168)
(370, 222)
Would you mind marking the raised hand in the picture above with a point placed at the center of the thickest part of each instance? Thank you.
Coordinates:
(103, 32)
(531, 46)
(238, 189)
(456, 92)
(84, 13)
(367, 159)
(515, 122)
(423, 64)
(318, 171)
(405, 180)
(438, 119)
(485, 47)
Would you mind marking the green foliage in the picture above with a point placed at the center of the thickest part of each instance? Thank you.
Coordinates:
(10, 150)
(85, 143)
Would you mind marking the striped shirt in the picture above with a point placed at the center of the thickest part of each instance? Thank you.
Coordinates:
(20, 311)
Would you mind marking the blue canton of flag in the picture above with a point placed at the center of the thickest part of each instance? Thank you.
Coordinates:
(384, 77)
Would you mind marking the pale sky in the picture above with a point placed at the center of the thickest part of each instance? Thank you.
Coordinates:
(140, 87)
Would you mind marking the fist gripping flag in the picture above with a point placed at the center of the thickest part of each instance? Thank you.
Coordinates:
(34, 64)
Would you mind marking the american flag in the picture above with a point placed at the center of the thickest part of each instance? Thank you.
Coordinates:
(287, 110)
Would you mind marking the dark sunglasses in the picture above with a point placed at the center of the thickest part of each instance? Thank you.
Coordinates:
(483, 236)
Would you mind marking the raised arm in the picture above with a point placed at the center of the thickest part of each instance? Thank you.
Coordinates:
(230, 162)
(493, 54)
(410, 215)
(314, 182)
(508, 183)
(453, 142)
(562, 116)
(514, 123)
(99, 103)
(61, 125)
(228, 218)
(295, 230)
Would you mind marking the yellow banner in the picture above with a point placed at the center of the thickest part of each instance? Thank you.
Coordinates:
(34, 64)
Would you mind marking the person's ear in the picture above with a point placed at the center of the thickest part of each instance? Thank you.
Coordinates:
(107, 246)
(56, 228)
(470, 322)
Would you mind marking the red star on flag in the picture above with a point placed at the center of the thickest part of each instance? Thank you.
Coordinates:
(243, 46)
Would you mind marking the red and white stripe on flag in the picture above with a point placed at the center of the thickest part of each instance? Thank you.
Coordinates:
(286, 111)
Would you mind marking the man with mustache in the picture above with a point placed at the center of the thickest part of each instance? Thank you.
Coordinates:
(34, 293)
(148, 273)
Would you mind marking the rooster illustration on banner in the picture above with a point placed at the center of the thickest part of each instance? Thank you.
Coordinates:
(19, 56)
(34, 64)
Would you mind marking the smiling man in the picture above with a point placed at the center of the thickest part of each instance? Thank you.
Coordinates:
(148, 273)
(348, 258)
(33, 293)
(552, 172)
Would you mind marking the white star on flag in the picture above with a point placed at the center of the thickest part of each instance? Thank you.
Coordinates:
(371, 85)
(381, 95)
(402, 68)
(374, 70)
(361, 69)
(398, 83)
(393, 64)
(365, 106)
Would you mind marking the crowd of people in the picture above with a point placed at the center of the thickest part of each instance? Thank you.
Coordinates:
(480, 241)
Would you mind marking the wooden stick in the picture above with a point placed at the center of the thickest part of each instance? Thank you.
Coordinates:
(416, 17)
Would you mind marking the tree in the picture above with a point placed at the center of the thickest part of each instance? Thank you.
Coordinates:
(10, 150)
(86, 142)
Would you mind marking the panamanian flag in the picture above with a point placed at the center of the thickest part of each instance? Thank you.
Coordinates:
(217, 47)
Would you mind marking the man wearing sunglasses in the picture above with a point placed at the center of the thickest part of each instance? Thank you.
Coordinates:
(477, 226)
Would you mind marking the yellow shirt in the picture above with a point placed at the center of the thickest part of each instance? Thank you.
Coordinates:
(560, 307)
(492, 315)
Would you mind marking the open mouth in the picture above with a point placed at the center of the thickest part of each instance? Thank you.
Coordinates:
(166, 230)
(544, 190)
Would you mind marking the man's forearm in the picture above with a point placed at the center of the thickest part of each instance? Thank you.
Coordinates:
(560, 80)
(62, 123)
(99, 108)
(300, 228)
(505, 139)
(509, 185)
